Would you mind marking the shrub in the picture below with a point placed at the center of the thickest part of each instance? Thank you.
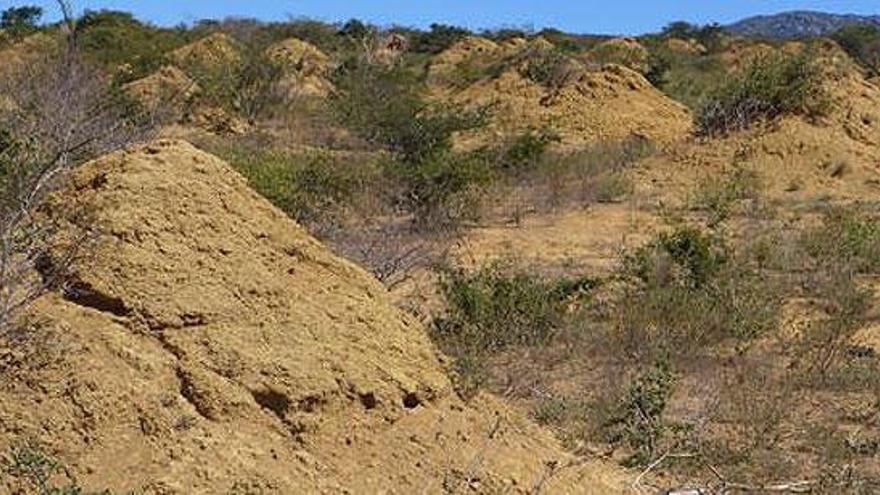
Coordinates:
(719, 194)
(20, 21)
(113, 39)
(314, 189)
(862, 43)
(438, 38)
(689, 79)
(547, 66)
(498, 307)
(33, 470)
(771, 86)
(844, 246)
(638, 419)
(593, 174)
(693, 291)
(846, 237)
(441, 191)
(383, 106)
(525, 151)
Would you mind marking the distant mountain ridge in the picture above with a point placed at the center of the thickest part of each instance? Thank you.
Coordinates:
(795, 24)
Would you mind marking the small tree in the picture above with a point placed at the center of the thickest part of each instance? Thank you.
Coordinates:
(19, 21)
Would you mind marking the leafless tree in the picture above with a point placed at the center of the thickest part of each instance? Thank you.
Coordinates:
(61, 112)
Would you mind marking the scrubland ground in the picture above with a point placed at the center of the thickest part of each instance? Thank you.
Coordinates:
(663, 250)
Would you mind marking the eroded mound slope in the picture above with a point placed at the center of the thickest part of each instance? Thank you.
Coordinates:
(210, 345)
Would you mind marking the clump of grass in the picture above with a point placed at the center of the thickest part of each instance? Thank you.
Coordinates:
(719, 195)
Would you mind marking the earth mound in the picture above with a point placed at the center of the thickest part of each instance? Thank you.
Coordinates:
(623, 51)
(211, 52)
(169, 85)
(532, 85)
(798, 157)
(611, 103)
(304, 67)
(208, 344)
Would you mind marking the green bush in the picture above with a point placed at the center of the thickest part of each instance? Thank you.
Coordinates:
(547, 66)
(498, 307)
(692, 292)
(438, 38)
(846, 237)
(19, 22)
(525, 152)
(441, 191)
(317, 190)
(113, 39)
(34, 471)
(771, 86)
(687, 78)
(719, 195)
(383, 105)
(638, 419)
(862, 43)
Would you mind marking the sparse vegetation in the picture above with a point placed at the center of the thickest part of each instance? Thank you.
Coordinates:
(729, 337)
(771, 86)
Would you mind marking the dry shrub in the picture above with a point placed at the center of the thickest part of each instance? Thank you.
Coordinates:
(64, 113)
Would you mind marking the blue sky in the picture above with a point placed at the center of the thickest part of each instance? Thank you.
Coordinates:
(585, 16)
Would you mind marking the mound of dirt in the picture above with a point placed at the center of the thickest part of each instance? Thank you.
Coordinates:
(799, 158)
(212, 52)
(169, 85)
(462, 50)
(687, 47)
(607, 104)
(579, 104)
(304, 66)
(623, 51)
(209, 345)
(743, 53)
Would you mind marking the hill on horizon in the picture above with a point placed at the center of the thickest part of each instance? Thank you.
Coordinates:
(795, 24)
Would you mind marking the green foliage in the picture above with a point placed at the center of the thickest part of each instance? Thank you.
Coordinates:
(710, 36)
(693, 292)
(862, 43)
(525, 152)
(113, 39)
(35, 471)
(638, 421)
(313, 189)
(692, 252)
(438, 38)
(384, 107)
(847, 237)
(498, 307)
(719, 195)
(688, 78)
(771, 86)
(20, 21)
(441, 190)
